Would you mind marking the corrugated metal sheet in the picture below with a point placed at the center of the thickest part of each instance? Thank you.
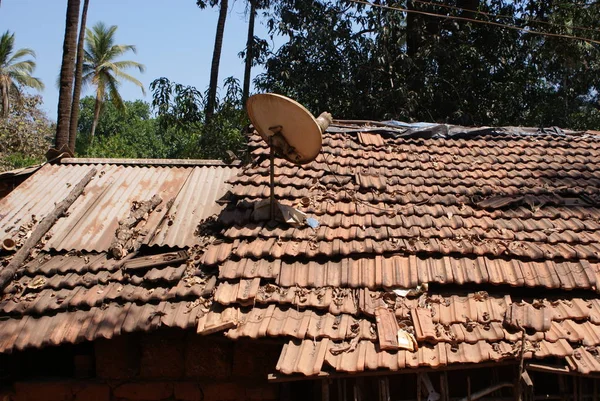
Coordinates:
(20, 171)
(36, 197)
(188, 194)
(195, 201)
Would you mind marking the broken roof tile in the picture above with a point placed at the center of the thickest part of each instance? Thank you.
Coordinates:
(584, 360)
(423, 324)
(304, 357)
(387, 329)
(560, 348)
(575, 308)
(528, 316)
(370, 138)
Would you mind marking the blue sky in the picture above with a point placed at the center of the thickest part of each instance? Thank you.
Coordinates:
(174, 39)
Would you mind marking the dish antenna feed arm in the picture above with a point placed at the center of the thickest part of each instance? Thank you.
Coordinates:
(278, 144)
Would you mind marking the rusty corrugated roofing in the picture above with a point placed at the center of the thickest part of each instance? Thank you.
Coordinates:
(188, 195)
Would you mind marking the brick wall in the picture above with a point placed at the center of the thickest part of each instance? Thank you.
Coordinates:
(166, 365)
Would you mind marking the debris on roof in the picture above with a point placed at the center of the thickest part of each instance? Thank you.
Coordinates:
(127, 236)
(474, 216)
(188, 195)
(435, 245)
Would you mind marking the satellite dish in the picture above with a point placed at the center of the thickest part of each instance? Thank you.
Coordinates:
(289, 129)
(287, 126)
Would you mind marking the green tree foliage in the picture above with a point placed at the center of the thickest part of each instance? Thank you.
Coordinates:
(130, 132)
(366, 62)
(223, 133)
(180, 115)
(324, 63)
(176, 130)
(25, 134)
(181, 118)
(15, 72)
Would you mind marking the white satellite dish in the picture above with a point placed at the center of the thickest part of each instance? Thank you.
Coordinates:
(289, 129)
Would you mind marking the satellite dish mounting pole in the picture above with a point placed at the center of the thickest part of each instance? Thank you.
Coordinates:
(272, 178)
(299, 142)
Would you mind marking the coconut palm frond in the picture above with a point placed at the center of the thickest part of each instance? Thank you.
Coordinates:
(27, 80)
(22, 66)
(114, 95)
(123, 65)
(20, 54)
(100, 67)
(118, 50)
(7, 43)
(15, 70)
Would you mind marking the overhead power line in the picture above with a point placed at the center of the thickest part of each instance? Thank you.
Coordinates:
(505, 16)
(466, 19)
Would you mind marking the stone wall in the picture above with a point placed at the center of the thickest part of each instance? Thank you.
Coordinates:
(166, 365)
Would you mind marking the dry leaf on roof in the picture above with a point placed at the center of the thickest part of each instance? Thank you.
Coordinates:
(36, 283)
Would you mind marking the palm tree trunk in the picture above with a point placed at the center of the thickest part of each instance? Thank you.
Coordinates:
(97, 108)
(5, 101)
(214, 70)
(78, 79)
(249, 53)
(66, 75)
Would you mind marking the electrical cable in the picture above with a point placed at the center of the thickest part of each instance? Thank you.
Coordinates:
(504, 16)
(498, 24)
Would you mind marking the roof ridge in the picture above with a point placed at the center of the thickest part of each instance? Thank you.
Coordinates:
(427, 130)
(148, 162)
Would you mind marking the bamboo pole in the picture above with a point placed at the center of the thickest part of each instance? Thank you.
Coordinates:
(468, 388)
(482, 393)
(518, 387)
(12, 269)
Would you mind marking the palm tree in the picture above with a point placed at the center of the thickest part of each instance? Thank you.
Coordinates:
(14, 71)
(102, 71)
(249, 52)
(78, 78)
(216, 58)
(67, 71)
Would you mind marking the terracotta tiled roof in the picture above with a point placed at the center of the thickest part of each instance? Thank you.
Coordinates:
(433, 248)
(472, 220)
(72, 298)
